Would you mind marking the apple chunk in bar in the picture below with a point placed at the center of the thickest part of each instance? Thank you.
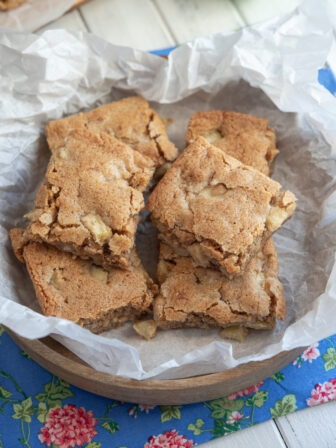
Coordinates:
(130, 120)
(202, 297)
(96, 298)
(91, 198)
(245, 137)
(216, 209)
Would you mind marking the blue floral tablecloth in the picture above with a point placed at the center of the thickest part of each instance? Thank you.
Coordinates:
(38, 409)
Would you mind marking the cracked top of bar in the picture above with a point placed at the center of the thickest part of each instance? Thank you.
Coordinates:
(130, 120)
(74, 289)
(91, 197)
(245, 137)
(201, 297)
(217, 209)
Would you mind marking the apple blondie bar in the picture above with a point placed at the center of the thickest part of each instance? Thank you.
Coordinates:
(74, 289)
(90, 200)
(203, 297)
(130, 120)
(245, 137)
(214, 208)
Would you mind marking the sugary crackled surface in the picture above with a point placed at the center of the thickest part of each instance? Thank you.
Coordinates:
(217, 209)
(78, 290)
(131, 120)
(201, 297)
(246, 137)
(10, 4)
(91, 197)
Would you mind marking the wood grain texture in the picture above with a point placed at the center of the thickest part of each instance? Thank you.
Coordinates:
(60, 361)
(265, 435)
(130, 23)
(190, 19)
(259, 10)
(71, 21)
(310, 428)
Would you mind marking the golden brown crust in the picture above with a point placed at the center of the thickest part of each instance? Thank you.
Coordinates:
(218, 210)
(201, 297)
(130, 120)
(18, 243)
(10, 4)
(91, 197)
(246, 137)
(77, 290)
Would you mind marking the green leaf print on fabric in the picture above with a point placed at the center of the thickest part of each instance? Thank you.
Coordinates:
(23, 411)
(226, 414)
(25, 355)
(278, 377)
(42, 412)
(110, 426)
(196, 428)
(4, 393)
(221, 428)
(1, 331)
(284, 406)
(4, 399)
(258, 399)
(329, 359)
(93, 445)
(55, 391)
(107, 422)
(223, 407)
(170, 412)
(10, 377)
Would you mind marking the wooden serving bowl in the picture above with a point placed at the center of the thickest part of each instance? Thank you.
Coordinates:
(61, 362)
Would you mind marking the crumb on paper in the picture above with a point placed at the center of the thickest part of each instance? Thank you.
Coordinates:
(145, 328)
(235, 332)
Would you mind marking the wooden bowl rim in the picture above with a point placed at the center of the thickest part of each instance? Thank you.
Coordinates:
(40, 348)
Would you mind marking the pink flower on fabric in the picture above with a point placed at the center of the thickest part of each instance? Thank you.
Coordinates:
(145, 408)
(169, 439)
(234, 417)
(297, 361)
(323, 393)
(69, 426)
(134, 410)
(248, 391)
(311, 353)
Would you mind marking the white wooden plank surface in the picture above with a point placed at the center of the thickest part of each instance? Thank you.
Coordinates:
(258, 10)
(149, 24)
(127, 22)
(71, 21)
(264, 435)
(190, 19)
(310, 428)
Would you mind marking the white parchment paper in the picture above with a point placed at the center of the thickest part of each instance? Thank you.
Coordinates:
(269, 70)
(34, 14)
